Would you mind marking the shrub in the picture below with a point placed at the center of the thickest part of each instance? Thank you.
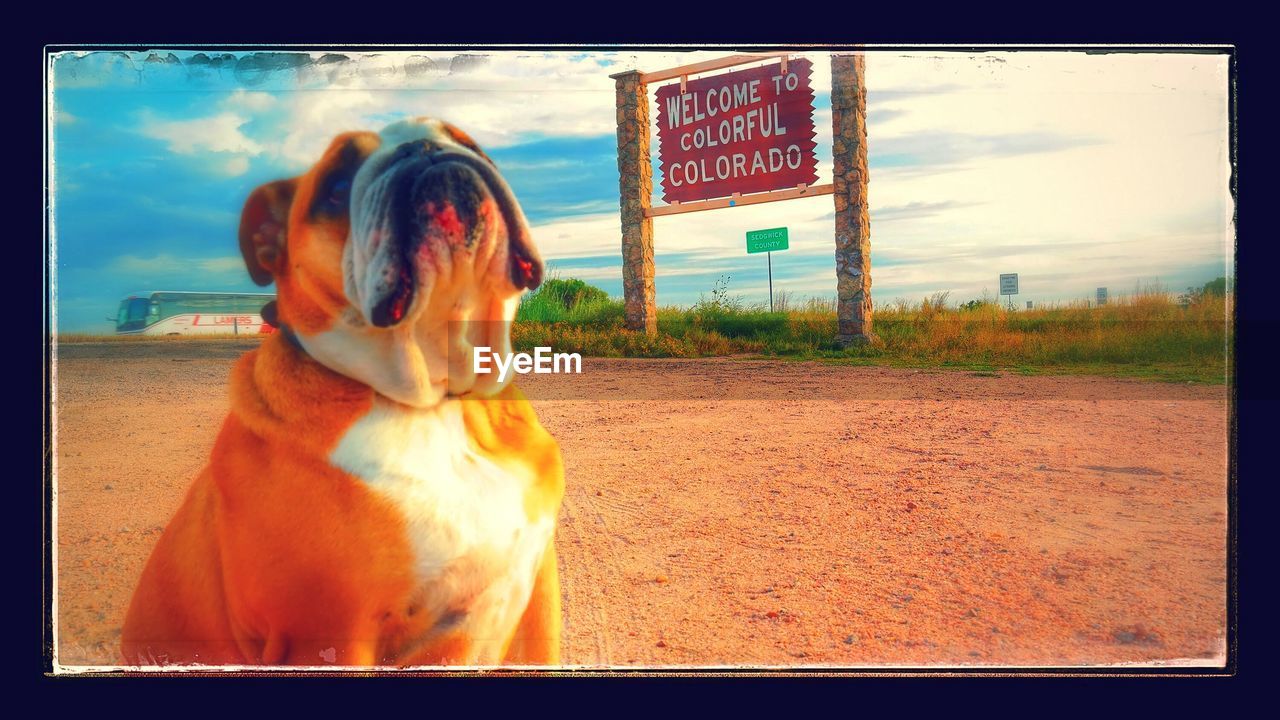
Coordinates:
(568, 299)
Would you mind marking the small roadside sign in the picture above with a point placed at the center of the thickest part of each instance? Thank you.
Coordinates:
(767, 241)
(1102, 296)
(1009, 284)
(771, 240)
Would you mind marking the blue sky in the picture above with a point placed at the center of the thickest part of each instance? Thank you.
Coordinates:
(1073, 170)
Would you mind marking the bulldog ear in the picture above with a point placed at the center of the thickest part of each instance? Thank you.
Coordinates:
(264, 225)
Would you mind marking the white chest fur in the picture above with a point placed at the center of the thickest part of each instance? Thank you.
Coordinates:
(475, 548)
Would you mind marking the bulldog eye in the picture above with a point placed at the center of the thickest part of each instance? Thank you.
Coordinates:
(339, 195)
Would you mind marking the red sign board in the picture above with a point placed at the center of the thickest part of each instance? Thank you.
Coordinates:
(740, 132)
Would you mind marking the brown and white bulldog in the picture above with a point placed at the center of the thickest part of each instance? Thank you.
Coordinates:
(370, 499)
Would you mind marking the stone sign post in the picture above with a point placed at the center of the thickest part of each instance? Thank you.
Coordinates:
(853, 217)
(635, 185)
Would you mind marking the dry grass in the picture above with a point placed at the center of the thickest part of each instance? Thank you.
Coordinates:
(70, 338)
(1146, 334)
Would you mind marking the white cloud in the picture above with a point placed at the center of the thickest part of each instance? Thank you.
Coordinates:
(716, 233)
(250, 101)
(547, 164)
(581, 236)
(236, 166)
(166, 264)
(499, 98)
(608, 272)
(219, 133)
(312, 119)
(1070, 166)
(614, 272)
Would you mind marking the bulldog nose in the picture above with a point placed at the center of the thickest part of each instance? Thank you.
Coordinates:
(443, 186)
(437, 193)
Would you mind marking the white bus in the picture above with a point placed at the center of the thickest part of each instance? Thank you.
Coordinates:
(192, 313)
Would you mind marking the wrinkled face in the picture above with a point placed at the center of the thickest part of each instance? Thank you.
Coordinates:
(394, 256)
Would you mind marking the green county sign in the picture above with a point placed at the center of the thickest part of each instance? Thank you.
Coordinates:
(770, 240)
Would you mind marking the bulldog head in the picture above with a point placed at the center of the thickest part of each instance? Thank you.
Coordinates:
(393, 256)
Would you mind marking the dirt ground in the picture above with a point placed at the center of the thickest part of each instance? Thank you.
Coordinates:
(762, 513)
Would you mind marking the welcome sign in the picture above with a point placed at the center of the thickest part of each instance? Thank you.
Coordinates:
(740, 132)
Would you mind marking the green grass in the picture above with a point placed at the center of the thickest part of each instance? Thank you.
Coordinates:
(1147, 335)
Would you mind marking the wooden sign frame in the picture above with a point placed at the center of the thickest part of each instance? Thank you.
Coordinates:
(849, 157)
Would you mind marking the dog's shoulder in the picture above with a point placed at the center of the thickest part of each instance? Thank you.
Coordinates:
(281, 394)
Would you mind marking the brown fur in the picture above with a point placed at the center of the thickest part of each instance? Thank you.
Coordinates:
(276, 556)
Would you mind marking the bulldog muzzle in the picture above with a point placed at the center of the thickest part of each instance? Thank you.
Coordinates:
(418, 210)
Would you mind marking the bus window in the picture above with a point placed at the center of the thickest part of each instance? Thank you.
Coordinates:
(171, 304)
(133, 314)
